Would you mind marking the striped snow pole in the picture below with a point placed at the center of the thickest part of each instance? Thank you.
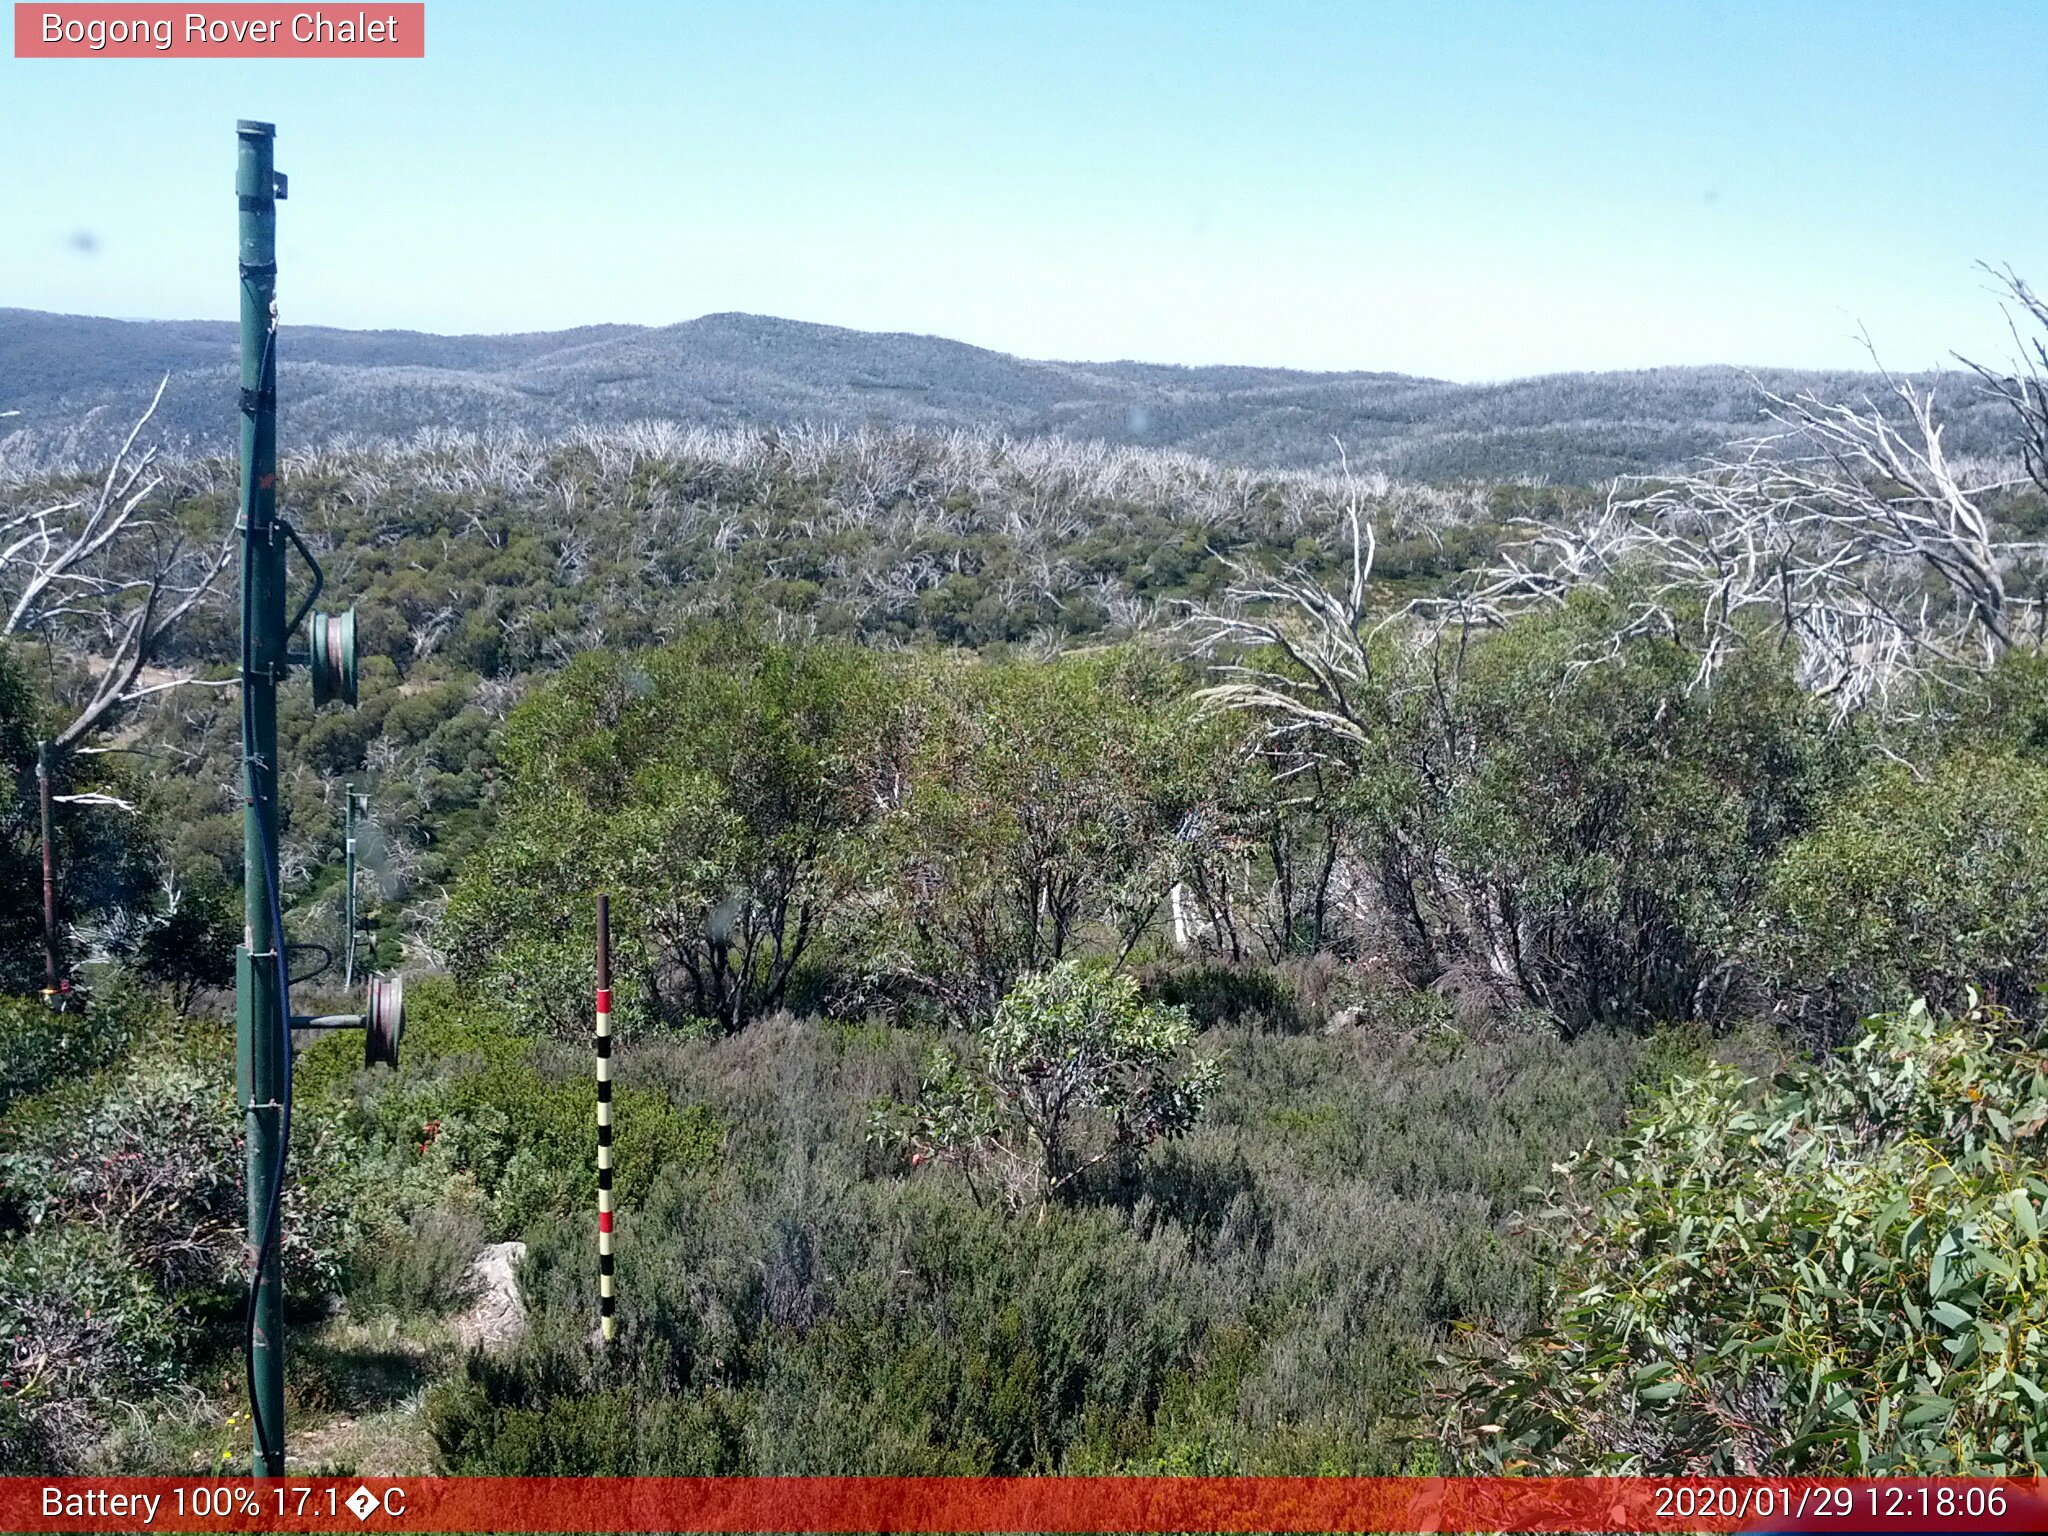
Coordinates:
(606, 1300)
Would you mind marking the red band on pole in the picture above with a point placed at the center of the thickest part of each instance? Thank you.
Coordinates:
(604, 999)
(604, 1221)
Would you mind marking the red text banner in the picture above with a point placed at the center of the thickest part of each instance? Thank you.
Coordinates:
(220, 31)
(1051, 1504)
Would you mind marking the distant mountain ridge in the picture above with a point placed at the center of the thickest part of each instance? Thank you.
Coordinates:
(76, 382)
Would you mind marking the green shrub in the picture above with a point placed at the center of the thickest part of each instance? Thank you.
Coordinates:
(1844, 1277)
(561, 1408)
(1073, 1069)
(87, 1327)
(150, 1154)
(472, 1122)
(39, 1048)
(121, 1232)
(1917, 888)
(418, 1265)
(530, 1141)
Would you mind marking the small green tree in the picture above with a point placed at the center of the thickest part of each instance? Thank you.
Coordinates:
(1074, 1068)
(1609, 815)
(191, 943)
(1263, 850)
(1040, 816)
(721, 788)
(109, 863)
(1572, 810)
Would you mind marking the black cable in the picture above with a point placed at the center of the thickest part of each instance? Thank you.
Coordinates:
(269, 1437)
(326, 963)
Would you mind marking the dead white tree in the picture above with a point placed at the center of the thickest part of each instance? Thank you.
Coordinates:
(2025, 388)
(105, 577)
(1299, 649)
(1849, 532)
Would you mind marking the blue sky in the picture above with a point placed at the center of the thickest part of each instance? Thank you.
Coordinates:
(1466, 190)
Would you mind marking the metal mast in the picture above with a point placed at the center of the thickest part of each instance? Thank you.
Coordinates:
(262, 1025)
(263, 1018)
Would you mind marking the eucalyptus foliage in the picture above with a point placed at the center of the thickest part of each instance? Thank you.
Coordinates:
(1843, 1275)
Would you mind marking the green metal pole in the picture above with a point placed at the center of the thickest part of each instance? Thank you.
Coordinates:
(262, 1047)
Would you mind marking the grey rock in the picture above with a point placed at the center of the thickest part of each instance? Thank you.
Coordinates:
(496, 1321)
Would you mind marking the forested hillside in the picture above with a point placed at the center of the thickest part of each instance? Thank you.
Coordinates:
(1109, 942)
(77, 383)
(476, 567)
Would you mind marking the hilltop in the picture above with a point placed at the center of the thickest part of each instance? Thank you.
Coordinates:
(76, 380)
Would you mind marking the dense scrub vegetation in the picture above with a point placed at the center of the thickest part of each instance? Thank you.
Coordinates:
(1072, 1018)
(475, 566)
(1260, 1295)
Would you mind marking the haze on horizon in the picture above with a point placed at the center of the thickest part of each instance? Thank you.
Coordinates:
(1495, 191)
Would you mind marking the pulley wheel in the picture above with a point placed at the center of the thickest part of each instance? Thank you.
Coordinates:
(385, 1022)
(332, 642)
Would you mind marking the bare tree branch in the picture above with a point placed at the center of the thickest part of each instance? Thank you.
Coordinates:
(1845, 534)
(2025, 391)
(106, 578)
